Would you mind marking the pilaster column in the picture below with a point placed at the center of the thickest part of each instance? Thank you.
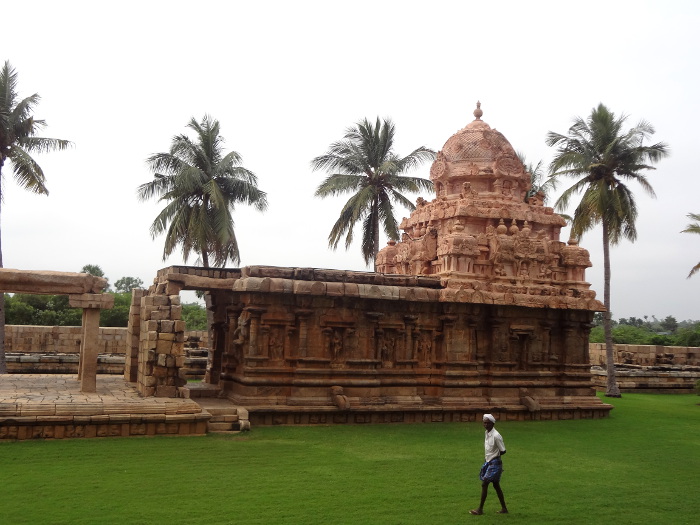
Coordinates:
(255, 314)
(303, 317)
(448, 322)
(410, 322)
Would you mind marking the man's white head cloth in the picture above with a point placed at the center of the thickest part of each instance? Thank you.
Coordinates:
(489, 417)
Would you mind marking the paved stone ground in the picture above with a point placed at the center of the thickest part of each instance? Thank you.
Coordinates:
(59, 394)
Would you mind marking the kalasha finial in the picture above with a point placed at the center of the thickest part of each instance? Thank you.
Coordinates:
(477, 111)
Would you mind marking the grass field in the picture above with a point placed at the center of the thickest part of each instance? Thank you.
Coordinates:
(640, 466)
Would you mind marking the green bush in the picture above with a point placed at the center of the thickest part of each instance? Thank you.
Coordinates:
(195, 316)
(118, 315)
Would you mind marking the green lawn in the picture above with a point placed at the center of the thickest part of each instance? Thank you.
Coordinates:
(640, 466)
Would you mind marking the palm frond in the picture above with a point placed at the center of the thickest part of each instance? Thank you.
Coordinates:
(339, 183)
(28, 173)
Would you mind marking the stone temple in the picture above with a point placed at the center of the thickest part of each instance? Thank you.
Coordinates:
(479, 308)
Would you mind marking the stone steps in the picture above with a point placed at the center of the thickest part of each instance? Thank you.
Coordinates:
(225, 416)
(199, 391)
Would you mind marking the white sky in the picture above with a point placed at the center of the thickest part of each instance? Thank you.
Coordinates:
(285, 79)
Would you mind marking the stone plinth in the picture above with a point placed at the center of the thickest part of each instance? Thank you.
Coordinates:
(302, 345)
(668, 379)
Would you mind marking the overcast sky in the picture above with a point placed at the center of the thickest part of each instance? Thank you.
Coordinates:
(285, 79)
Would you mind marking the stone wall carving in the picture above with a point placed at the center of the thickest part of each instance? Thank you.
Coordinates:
(296, 341)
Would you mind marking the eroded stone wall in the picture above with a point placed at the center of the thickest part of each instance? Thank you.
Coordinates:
(161, 346)
(647, 355)
(31, 339)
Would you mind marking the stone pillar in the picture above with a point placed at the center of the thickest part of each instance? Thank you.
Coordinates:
(569, 346)
(410, 321)
(303, 317)
(88, 350)
(232, 355)
(132, 336)
(218, 317)
(546, 341)
(253, 345)
(264, 346)
(375, 334)
(448, 322)
(216, 349)
(161, 346)
(499, 342)
(91, 305)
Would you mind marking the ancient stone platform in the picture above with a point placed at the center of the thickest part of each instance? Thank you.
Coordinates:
(53, 406)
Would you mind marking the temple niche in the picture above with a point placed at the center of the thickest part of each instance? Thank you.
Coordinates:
(479, 308)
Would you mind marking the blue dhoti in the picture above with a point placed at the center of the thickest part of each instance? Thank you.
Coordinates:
(491, 470)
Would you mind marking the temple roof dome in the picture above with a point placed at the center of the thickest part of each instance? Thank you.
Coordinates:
(477, 142)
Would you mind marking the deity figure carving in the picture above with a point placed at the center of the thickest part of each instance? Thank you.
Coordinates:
(276, 344)
(336, 345)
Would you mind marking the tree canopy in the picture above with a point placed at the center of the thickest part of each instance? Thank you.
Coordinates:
(126, 284)
(365, 165)
(200, 186)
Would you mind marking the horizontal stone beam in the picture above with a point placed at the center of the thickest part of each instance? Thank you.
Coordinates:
(91, 300)
(49, 283)
(195, 282)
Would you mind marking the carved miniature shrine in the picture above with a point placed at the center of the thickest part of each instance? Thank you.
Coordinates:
(479, 308)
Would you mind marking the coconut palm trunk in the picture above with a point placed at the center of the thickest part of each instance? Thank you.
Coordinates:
(612, 389)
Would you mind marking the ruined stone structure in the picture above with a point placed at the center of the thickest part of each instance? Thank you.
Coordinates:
(83, 291)
(649, 368)
(479, 308)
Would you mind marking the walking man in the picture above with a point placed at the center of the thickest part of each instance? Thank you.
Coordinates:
(493, 467)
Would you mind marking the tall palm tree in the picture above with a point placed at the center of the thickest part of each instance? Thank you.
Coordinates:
(200, 186)
(364, 164)
(18, 140)
(693, 227)
(603, 157)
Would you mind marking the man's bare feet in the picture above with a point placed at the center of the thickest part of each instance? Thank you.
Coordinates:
(476, 512)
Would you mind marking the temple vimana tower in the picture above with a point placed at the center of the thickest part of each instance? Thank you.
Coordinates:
(479, 308)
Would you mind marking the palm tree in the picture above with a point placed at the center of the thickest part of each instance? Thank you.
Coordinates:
(603, 157)
(539, 182)
(18, 140)
(693, 227)
(365, 165)
(200, 186)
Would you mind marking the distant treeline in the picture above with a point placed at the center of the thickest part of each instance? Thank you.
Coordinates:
(54, 310)
(649, 331)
